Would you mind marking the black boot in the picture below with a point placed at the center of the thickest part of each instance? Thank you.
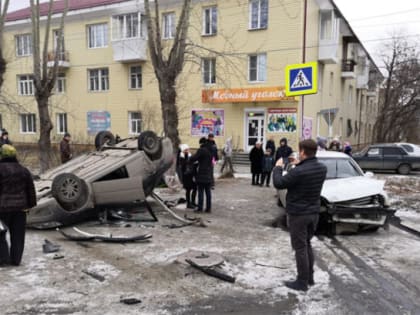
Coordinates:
(297, 285)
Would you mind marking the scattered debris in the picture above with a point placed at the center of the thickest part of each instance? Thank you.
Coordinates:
(85, 236)
(49, 247)
(270, 266)
(212, 272)
(94, 275)
(202, 259)
(197, 221)
(58, 256)
(129, 300)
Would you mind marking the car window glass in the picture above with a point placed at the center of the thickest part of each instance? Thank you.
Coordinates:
(392, 151)
(119, 173)
(340, 168)
(408, 148)
(374, 152)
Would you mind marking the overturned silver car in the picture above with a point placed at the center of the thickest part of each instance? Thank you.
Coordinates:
(351, 201)
(117, 174)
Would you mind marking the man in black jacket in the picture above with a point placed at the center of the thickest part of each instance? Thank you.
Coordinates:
(303, 184)
(17, 193)
(283, 151)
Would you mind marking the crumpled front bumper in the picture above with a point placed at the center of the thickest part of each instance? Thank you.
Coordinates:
(366, 214)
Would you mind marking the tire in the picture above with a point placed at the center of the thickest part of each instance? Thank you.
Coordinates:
(150, 143)
(404, 169)
(102, 138)
(70, 191)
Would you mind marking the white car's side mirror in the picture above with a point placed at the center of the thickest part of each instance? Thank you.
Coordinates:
(369, 174)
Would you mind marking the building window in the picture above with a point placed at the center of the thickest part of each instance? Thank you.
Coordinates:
(331, 84)
(257, 68)
(61, 123)
(24, 45)
(135, 77)
(350, 96)
(168, 24)
(60, 86)
(97, 35)
(134, 122)
(210, 21)
(26, 85)
(126, 26)
(27, 123)
(258, 14)
(99, 79)
(209, 70)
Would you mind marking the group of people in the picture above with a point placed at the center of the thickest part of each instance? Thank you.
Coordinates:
(334, 145)
(303, 182)
(262, 162)
(196, 172)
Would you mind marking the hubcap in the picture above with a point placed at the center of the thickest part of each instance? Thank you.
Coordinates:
(69, 189)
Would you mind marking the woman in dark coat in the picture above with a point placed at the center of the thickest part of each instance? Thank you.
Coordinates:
(204, 174)
(256, 157)
(188, 173)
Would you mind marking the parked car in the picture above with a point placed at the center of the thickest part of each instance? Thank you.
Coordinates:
(387, 157)
(119, 174)
(351, 201)
(411, 148)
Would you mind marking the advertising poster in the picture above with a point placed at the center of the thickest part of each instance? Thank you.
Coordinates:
(307, 128)
(205, 121)
(281, 120)
(98, 121)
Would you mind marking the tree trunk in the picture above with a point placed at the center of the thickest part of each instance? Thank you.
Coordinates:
(169, 111)
(44, 143)
(2, 68)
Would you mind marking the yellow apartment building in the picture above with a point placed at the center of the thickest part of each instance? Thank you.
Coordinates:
(233, 83)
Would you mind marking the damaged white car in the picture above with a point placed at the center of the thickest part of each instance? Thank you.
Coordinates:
(351, 201)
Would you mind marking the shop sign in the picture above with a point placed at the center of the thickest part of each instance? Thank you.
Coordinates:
(245, 95)
(98, 121)
(205, 121)
(282, 120)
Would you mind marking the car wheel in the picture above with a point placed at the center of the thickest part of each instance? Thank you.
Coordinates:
(70, 191)
(150, 143)
(404, 169)
(104, 137)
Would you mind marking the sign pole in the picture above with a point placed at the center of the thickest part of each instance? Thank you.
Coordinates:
(303, 61)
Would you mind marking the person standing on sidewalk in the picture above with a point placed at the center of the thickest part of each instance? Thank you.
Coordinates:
(214, 155)
(256, 157)
(65, 149)
(303, 184)
(204, 174)
(17, 193)
(268, 164)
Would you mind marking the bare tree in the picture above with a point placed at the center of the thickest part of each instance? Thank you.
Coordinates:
(3, 12)
(45, 77)
(399, 96)
(167, 67)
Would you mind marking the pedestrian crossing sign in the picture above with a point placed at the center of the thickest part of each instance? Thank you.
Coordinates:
(301, 79)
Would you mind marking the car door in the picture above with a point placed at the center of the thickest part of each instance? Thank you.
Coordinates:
(392, 157)
(372, 160)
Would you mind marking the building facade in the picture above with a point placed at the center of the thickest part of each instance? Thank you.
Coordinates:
(233, 82)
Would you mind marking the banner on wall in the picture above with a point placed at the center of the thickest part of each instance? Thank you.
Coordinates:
(307, 128)
(282, 120)
(98, 120)
(205, 121)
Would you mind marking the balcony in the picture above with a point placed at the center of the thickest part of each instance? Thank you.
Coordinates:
(63, 59)
(130, 49)
(347, 69)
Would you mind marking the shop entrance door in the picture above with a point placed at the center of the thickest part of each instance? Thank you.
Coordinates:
(254, 129)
